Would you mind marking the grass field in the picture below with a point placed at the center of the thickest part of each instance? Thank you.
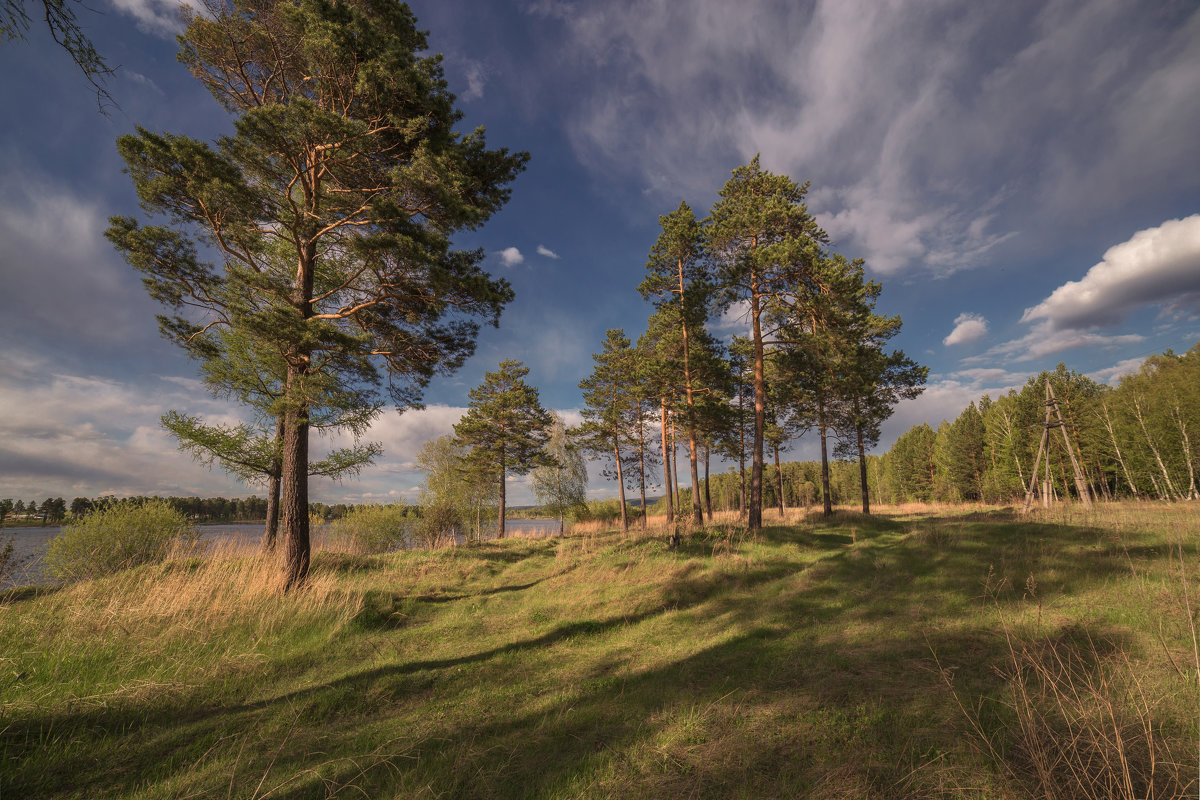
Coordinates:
(915, 653)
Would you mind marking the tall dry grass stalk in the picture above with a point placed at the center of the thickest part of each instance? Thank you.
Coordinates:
(195, 591)
(1088, 721)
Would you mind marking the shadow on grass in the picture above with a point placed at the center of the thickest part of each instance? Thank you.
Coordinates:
(20, 594)
(838, 652)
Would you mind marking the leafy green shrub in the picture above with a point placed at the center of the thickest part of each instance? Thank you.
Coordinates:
(605, 511)
(121, 536)
(369, 529)
(439, 523)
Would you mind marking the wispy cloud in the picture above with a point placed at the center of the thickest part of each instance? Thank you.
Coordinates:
(158, 17)
(542, 250)
(967, 328)
(476, 78)
(1044, 340)
(932, 133)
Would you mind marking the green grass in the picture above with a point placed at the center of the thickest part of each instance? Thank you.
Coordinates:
(858, 657)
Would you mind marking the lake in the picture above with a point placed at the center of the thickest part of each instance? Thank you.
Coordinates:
(31, 543)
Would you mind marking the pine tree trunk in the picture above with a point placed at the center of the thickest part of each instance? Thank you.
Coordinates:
(503, 496)
(620, 486)
(697, 514)
(779, 483)
(741, 445)
(642, 463)
(707, 493)
(271, 534)
(293, 496)
(754, 520)
(827, 498)
(675, 467)
(667, 465)
(862, 470)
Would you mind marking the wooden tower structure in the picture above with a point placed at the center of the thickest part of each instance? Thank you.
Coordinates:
(1085, 496)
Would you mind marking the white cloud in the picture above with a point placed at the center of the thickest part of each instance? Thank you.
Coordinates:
(944, 399)
(1044, 340)
(70, 435)
(734, 320)
(993, 377)
(932, 132)
(967, 328)
(1157, 266)
(158, 17)
(542, 250)
(511, 256)
(476, 78)
(1112, 375)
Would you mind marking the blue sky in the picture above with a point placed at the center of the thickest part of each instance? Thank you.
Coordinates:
(1023, 178)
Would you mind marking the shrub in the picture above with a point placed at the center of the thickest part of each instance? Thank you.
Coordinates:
(121, 536)
(369, 529)
(439, 523)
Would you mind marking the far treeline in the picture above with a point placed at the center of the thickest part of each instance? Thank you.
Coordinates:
(53, 510)
(1131, 441)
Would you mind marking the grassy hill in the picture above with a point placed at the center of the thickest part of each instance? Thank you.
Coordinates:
(912, 654)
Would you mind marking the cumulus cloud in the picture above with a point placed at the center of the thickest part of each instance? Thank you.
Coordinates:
(967, 328)
(1157, 266)
(734, 320)
(511, 257)
(64, 434)
(944, 398)
(542, 250)
(1112, 375)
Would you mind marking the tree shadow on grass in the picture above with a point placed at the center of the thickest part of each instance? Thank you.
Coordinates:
(21, 594)
(827, 676)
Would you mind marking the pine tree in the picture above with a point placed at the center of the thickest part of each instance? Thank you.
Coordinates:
(610, 397)
(764, 243)
(505, 427)
(330, 209)
(676, 276)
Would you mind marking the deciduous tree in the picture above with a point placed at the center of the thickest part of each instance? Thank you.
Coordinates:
(561, 484)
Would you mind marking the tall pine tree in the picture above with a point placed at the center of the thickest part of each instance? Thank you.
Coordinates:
(329, 210)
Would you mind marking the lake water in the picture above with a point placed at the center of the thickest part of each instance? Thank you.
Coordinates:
(29, 544)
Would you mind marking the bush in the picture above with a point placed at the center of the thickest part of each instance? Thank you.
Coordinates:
(369, 529)
(606, 511)
(121, 536)
(439, 523)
